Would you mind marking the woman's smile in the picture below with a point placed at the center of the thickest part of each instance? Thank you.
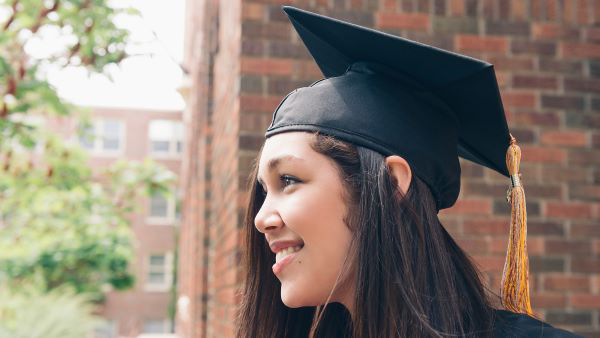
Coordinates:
(285, 257)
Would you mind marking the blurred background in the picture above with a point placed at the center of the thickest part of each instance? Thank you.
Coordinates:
(128, 130)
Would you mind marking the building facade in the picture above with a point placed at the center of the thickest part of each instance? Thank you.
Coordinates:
(135, 134)
(243, 56)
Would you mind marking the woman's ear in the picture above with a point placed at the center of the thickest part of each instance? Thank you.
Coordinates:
(400, 169)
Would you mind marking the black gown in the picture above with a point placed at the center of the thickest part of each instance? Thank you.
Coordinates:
(509, 324)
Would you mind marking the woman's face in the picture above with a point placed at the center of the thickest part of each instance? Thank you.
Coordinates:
(304, 209)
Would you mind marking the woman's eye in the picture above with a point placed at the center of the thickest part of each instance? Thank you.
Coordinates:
(287, 180)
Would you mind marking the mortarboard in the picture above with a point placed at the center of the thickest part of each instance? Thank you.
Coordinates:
(428, 105)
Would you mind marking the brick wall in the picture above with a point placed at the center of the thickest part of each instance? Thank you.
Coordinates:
(547, 59)
(201, 45)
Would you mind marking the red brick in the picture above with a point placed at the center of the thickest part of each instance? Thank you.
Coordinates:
(257, 103)
(518, 9)
(551, 10)
(566, 283)
(595, 284)
(596, 140)
(439, 7)
(585, 301)
(268, 30)
(566, 67)
(582, 85)
(550, 119)
(579, 50)
(538, 82)
(585, 230)
(536, 9)
(567, 102)
(584, 156)
(544, 30)
(390, 5)
(563, 246)
(257, 121)
(486, 226)
(519, 99)
(565, 138)
(252, 11)
(503, 10)
(542, 155)
(570, 174)
(470, 206)
(489, 263)
(586, 265)
(543, 190)
(489, 8)
(583, 14)
(545, 228)
(474, 245)
(548, 300)
(457, 7)
(593, 34)
(585, 192)
(475, 43)
(568, 210)
(412, 21)
(569, 11)
(515, 28)
(266, 66)
(451, 225)
(538, 48)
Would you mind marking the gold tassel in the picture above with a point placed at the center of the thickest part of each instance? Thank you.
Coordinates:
(515, 277)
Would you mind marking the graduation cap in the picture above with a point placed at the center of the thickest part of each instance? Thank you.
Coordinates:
(428, 105)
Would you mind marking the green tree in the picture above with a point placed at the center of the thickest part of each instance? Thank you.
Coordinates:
(61, 221)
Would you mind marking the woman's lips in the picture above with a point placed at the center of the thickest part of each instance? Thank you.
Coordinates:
(278, 266)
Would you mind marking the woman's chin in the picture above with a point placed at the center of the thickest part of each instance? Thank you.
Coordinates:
(294, 298)
(291, 300)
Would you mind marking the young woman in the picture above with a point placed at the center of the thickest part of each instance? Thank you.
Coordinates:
(342, 237)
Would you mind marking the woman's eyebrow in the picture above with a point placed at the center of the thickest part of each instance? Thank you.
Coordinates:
(276, 161)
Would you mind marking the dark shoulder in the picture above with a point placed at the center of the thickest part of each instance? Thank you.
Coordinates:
(509, 324)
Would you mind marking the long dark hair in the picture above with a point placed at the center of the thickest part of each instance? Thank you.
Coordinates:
(412, 279)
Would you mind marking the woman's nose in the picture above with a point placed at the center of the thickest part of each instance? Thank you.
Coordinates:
(267, 219)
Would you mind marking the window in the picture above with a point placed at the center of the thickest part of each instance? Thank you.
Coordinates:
(156, 326)
(159, 207)
(164, 209)
(159, 272)
(166, 137)
(104, 136)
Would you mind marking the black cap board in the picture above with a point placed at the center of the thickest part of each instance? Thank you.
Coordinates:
(398, 96)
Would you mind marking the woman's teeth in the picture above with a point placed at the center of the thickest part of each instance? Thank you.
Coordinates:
(281, 254)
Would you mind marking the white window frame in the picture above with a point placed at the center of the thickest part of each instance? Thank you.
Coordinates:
(97, 141)
(170, 218)
(172, 152)
(168, 270)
